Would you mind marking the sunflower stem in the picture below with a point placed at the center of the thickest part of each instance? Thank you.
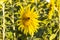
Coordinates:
(32, 37)
(3, 21)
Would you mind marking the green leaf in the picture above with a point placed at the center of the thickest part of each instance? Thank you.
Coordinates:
(52, 36)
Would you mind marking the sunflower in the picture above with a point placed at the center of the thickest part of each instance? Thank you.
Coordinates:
(58, 6)
(29, 22)
(1, 1)
(51, 12)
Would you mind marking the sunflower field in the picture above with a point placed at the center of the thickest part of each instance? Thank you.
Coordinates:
(29, 19)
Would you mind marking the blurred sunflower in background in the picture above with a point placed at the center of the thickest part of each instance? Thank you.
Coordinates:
(1, 1)
(51, 12)
(28, 20)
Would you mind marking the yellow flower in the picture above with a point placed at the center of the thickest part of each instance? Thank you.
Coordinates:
(58, 6)
(33, 0)
(51, 12)
(28, 20)
(1, 1)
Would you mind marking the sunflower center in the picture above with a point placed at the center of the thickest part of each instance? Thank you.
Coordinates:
(26, 18)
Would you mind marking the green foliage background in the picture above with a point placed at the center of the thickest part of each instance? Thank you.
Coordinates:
(49, 28)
